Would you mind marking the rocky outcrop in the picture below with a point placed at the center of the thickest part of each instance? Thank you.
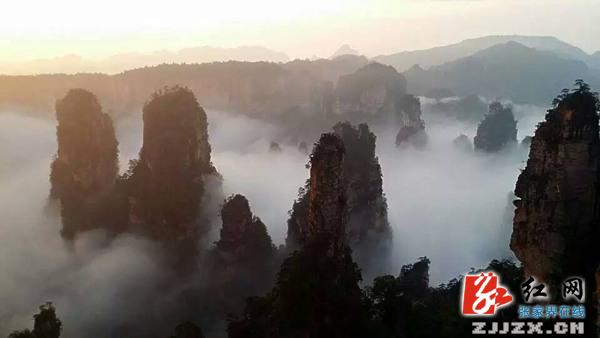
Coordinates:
(244, 236)
(497, 130)
(243, 262)
(316, 292)
(463, 142)
(377, 93)
(86, 165)
(322, 98)
(303, 223)
(411, 135)
(556, 220)
(327, 193)
(167, 184)
(274, 147)
(165, 194)
(373, 89)
(297, 224)
(367, 230)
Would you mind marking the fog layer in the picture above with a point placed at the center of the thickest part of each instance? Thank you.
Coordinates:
(444, 203)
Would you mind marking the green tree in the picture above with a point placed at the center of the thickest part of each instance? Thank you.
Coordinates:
(45, 324)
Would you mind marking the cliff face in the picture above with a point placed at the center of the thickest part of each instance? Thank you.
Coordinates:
(377, 93)
(253, 88)
(327, 193)
(164, 195)
(367, 229)
(166, 185)
(411, 135)
(86, 165)
(297, 224)
(243, 260)
(368, 232)
(244, 236)
(316, 292)
(463, 142)
(556, 219)
(497, 130)
(373, 89)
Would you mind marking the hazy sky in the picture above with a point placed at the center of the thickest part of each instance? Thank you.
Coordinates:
(31, 29)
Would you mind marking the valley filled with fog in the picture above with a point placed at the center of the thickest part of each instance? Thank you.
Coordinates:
(447, 203)
(271, 170)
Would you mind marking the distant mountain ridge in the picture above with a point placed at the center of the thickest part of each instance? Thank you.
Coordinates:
(252, 88)
(72, 63)
(510, 70)
(402, 61)
(344, 50)
(439, 55)
(595, 60)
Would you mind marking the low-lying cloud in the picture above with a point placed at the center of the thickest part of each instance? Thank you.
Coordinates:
(444, 203)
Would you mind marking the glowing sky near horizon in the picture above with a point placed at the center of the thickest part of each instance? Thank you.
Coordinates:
(31, 29)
